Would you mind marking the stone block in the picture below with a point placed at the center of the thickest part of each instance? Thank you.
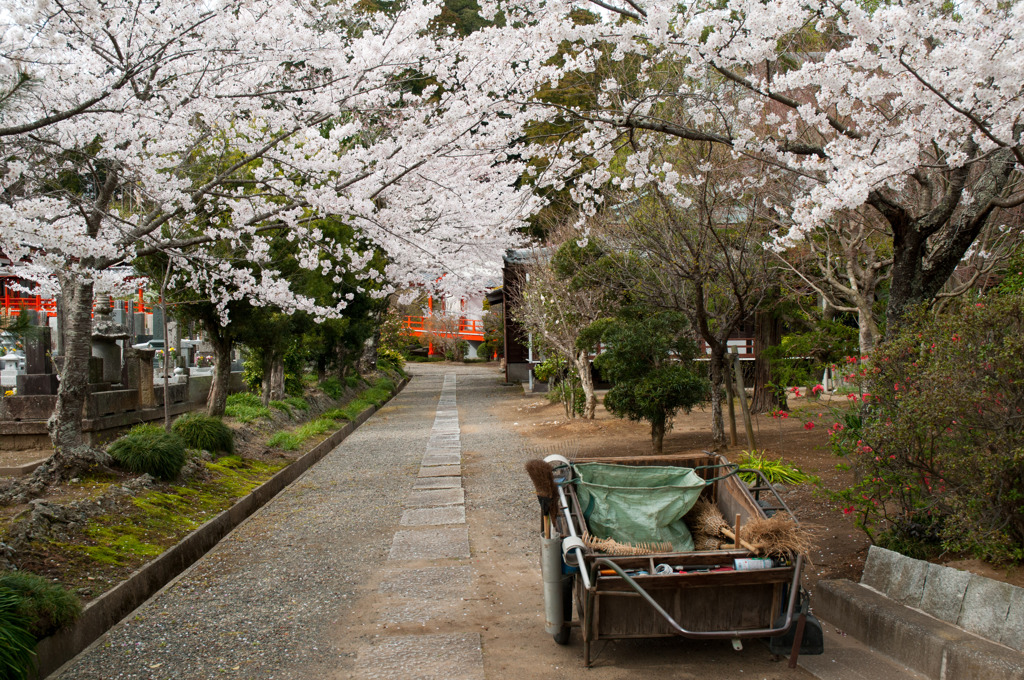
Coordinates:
(906, 584)
(429, 583)
(37, 351)
(453, 458)
(1013, 631)
(440, 470)
(986, 605)
(878, 568)
(37, 384)
(430, 544)
(95, 370)
(111, 402)
(27, 407)
(456, 656)
(944, 590)
(424, 517)
(438, 483)
(982, 660)
(435, 497)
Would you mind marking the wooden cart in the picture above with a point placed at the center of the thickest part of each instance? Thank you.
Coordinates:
(697, 603)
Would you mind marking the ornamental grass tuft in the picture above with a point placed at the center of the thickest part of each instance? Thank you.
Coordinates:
(150, 449)
(200, 431)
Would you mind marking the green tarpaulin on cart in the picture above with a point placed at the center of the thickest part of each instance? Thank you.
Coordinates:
(634, 503)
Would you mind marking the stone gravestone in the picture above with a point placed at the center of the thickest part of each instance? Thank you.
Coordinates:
(39, 377)
(105, 334)
(138, 374)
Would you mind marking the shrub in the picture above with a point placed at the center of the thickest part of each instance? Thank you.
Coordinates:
(46, 607)
(354, 381)
(390, 356)
(332, 387)
(245, 407)
(205, 432)
(939, 450)
(17, 644)
(150, 449)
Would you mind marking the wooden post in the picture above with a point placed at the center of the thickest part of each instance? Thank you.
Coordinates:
(742, 394)
(730, 394)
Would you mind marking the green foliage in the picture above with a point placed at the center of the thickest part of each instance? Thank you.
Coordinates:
(281, 406)
(150, 449)
(940, 447)
(354, 381)
(563, 385)
(390, 356)
(801, 358)
(17, 644)
(46, 606)
(200, 431)
(332, 387)
(245, 407)
(650, 364)
(776, 471)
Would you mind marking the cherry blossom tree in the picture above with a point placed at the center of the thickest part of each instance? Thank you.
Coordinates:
(908, 113)
(137, 126)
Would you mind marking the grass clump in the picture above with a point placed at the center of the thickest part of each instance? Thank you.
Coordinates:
(17, 644)
(297, 403)
(282, 406)
(776, 471)
(283, 440)
(46, 606)
(332, 387)
(150, 449)
(289, 441)
(205, 432)
(245, 407)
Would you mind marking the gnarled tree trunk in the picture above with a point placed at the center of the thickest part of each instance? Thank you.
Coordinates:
(582, 362)
(217, 399)
(767, 333)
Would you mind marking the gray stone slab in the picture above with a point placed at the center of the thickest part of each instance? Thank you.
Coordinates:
(447, 413)
(427, 517)
(986, 604)
(443, 439)
(453, 458)
(846, 658)
(907, 582)
(1013, 632)
(429, 583)
(944, 589)
(442, 446)
(438, 483)
(435, 497)
(878, 568)
(430, 544)
(455, 656)
(440, 471)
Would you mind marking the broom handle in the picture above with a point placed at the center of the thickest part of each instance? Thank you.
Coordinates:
(729, 534)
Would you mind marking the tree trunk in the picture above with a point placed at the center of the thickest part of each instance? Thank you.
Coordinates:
(717, 419)
(582, 361)
(217, 400)
(277, 378)
(658, 435)
(767, 333)
(868, 328)
(267, 386)
(71, 453)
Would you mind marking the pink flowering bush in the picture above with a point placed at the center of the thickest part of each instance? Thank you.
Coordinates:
(938, 442)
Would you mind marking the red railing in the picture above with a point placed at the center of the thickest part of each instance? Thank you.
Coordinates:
(11, 305)
(468, 329)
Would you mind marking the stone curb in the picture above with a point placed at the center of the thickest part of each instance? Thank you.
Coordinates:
(20, 470)
(923, 643)
(107, 610)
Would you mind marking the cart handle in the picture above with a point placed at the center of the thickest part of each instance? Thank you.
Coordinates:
(768, 486)
(794, 590)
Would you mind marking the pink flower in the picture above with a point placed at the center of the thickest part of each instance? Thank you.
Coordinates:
(817, 389)
(809, 425)
(847, 511)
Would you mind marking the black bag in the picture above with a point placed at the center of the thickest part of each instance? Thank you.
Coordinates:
(814, 637)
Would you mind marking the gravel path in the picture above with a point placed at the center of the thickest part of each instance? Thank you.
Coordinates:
(268, 601)
(408, 553)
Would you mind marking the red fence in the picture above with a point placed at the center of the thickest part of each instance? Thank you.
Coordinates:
(468, 329)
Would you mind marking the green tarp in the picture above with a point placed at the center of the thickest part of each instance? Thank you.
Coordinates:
(638, 503)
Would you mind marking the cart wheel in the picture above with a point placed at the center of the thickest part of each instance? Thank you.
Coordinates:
(562, 636)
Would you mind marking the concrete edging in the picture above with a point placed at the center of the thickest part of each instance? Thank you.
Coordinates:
(107, 610)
